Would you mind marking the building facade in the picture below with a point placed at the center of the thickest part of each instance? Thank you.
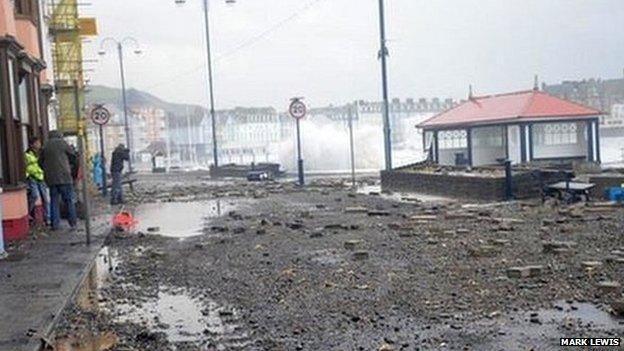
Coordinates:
(24, 99)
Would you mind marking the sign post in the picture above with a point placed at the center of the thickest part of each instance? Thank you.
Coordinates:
(298, 111)
(83, 159)
(100, 116)
(3, 253)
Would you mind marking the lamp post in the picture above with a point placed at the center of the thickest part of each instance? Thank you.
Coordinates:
(210, 79)
(383, 54)
(119, 44)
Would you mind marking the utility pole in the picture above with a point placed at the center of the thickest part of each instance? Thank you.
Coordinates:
(351, 146)
(168, 125)
(383, 54)
(211, 88)
(125, 102)
(119, 44)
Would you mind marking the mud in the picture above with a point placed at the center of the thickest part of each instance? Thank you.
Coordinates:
(323, 268)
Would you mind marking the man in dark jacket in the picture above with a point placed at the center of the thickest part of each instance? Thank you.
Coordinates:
(54, 160)
(120, 154)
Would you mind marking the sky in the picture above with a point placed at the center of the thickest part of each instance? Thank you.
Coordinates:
(267, 51)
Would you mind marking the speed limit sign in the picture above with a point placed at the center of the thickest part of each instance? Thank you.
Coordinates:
(100, 115)
(297, 109)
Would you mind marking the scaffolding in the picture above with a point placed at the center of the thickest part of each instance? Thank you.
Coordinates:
(67, 30)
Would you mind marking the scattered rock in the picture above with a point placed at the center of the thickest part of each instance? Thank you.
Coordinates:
(609, 286)
(483, 251)
(591, 264)
(352, 244)
(551, 246)
(618, 307)
(294, 225)
(361, 255)
(378, 213)
(357, 209)
(524, 272)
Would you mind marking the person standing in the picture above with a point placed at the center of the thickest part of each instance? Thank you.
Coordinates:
(120, 154)
(37, 188)
(55, 160)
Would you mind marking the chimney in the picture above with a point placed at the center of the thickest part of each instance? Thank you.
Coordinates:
(470, 95)
(536, 83)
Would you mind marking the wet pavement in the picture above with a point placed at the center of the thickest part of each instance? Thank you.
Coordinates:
(39, 279)
(326, 269)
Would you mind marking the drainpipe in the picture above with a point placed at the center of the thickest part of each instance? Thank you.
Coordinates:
(3, 253)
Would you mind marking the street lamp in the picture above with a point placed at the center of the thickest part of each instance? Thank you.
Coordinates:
(120, 46)
(383, 55)
(210, 80)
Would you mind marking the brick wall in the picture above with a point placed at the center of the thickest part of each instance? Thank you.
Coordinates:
(526, 184)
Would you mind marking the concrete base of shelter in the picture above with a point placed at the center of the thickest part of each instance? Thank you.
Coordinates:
(480, 184)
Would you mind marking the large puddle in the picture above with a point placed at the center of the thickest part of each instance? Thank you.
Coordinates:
(180, 219)
(188, 320)
(185, 319)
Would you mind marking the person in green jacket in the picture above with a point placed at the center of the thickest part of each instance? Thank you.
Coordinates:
(35, 180)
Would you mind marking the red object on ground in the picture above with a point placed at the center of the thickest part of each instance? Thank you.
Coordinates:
(124, 220)
(15, 229)
(518, 106)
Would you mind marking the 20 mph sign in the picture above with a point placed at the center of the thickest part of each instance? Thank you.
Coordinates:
(297, 109)
(100, 115)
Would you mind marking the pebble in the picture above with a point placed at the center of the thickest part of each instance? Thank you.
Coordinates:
(360, 255)
(358, 209)
(608, 286)
(352, 244)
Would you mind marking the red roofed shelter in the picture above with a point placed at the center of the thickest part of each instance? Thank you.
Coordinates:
(523, 127)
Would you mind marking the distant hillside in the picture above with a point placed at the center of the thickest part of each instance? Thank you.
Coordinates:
(99, 94)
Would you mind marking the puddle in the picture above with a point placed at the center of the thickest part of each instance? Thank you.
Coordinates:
(397, 196)
(89, 291)
(582, 313)
(184, 319)
(542, 329)
(180, 219)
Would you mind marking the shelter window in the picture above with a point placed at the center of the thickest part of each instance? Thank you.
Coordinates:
(452, 139)
(488, 136)
(556, 134)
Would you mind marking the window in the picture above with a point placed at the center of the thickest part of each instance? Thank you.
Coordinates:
(26, 8)
(12, 93)
(488, 136)
(24, 96)
(24, 110)
(452, 139)
(555, 134)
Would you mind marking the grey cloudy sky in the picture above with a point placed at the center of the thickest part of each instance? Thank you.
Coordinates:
(327, 52)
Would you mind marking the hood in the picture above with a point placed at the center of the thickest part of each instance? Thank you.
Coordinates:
(55, 134)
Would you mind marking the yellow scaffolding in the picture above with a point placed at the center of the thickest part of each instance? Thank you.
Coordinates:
(67, 30)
